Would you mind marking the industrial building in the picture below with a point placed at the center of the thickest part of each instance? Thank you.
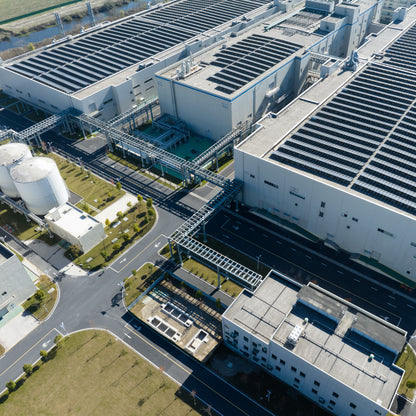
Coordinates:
(249, 72)
(75, 226)
(108, 70)
(338, 164)
(336, 354)
(15, 283)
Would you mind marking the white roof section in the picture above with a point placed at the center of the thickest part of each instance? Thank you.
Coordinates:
(33, 169)
(71, 219)
(13, 152)
(338, 338)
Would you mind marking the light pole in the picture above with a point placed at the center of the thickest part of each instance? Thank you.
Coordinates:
(258, 261)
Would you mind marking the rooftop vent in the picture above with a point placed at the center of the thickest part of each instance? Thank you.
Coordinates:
(294, 336)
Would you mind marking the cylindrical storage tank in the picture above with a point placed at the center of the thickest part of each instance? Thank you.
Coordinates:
(10, 155)
(40, 184)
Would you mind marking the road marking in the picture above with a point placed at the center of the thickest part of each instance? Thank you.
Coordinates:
(357, 280)
(316, 275)
(340, 272)
(374, 288)
(308, 257)
(390, 304)
(410, 306)
(191, 374)
(265, 235)
(226, 236)
(30, 349)
(392, 297)
(293, 249)
(279, 242)
(127, 335)
(139, 253)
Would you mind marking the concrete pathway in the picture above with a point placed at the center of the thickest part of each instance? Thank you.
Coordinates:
(16, 329)
(120, 205)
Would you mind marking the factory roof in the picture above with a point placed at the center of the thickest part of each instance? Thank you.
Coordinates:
(340, 346)
(75, 64)
(72, 219)
(238, 61)
(354, 131)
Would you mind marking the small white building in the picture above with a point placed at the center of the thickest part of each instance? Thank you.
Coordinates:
(76, 226)
(249, 71)
(336, 354)
(15, 283)
(338, 163)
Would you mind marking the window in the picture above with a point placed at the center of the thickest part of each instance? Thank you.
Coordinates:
(264, 349)
(148, 80)
(236, 332)
(263, 359)
(321, 400)
(302, 374)
(297, 195)
(321, 214)
(293, 369)
(336, 395)
(254, 344)
(323, 204)
(377, 412)
(282, 362)
(274, 357)
(107, 101)
(331, 402)
(314, 391)
(245, 347)
(354, 219)
(251, 175)
(353, 405)
(317, 383)
(278, 368)
(245, 339)
(297, 380)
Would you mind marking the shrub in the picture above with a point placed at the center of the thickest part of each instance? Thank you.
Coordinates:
(28, 369)
(43, 355)
(11, 386)
(149, 203)
(39, 295)
(198, 294)
(411, 384)
(116, 247)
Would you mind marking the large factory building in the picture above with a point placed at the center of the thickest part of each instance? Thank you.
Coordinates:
(338, 164)
(108, 70)
(247, 73)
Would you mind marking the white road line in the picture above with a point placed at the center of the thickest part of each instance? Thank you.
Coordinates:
(293, 249)
(357, 280)
(374, 288)
(392, 297)
(128, 336)
(323, 264)
(279, 242)
(340, 272)
(390, 304)
(410, 306)
(308, 257)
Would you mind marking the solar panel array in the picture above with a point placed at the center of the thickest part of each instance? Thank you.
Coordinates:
(247, 59)
(363, 138)
(74, 65)
(403, 53)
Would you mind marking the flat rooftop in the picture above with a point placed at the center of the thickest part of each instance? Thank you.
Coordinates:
(356, 130)
(237, 62)
(337, 337)
(72, 219)
(5, 253)
(72, 65)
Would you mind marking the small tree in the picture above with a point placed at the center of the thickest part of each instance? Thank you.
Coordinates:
(149, 203)
(31, 46)
(116, 247)
(134, 272)
(218, 303)
(136, 228)
(104, 254)
(43, 355)
(139, 199)
(126, 237)
(109, 196)
(40, 295)
(107, 222)
(28, 369)
(118, 186)
(11, 386)
(129, 204)
(411, 384)
(198, 294)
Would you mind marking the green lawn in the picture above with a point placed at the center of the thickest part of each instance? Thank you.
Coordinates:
(136, 215)
(407, 361)
(13, 9)
(22, 229)
(40, 310)
(204, 272)
(93, 374)
(135, 285)
(95, 191)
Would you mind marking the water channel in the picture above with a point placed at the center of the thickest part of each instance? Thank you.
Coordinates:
(53, 31)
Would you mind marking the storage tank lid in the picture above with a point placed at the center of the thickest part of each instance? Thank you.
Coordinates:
(33, 169)
(12, 152)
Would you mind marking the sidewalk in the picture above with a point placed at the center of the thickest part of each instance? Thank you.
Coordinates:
(16, 328)
(120, 205)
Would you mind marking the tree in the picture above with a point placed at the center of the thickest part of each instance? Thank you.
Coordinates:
(136, 228)
(139, 199)
(129, 204)
(116, 247)
(118, 186)
(40, 295)
(149, 203)
(198, 294)
(43, 355)
(11, 386)
(411, 384)
(104, 254)
(126, 237)
(107, 222)
(74, 251)
(218, 304)
(134, 272)
(31, 46)
(28, 369)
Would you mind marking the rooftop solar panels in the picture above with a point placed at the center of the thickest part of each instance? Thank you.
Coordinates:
(247, 59)
(363, 138)
(403, 52)
(74, 65)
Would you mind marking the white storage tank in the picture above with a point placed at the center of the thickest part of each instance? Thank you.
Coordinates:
(40, 184)
(10, 155)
